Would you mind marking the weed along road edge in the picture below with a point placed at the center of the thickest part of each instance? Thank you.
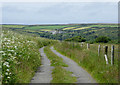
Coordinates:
(43, 75)
(79, 72)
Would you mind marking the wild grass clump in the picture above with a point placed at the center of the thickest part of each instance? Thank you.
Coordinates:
(90, 61)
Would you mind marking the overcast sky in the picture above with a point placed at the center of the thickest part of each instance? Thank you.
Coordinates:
(59, 12)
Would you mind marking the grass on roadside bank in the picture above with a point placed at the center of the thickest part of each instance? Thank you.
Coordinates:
(59, 74)
(90, 61)
(20, 56)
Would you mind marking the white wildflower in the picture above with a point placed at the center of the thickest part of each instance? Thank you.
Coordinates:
(8, 46)
(13, 58)
(7, 65)
(4, 54)
(9, 54)
(15, 47)
(1, 51)
(15, 53)
(11, 50)
(8, 40)
(12, 42)
(5, 38)
(8, 77)
(6, 73)
(7, 70)
(7, 43)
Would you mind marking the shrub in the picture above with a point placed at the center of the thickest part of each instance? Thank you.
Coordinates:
(102, 39)
(76, 39)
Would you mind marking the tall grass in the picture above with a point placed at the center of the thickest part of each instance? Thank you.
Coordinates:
(20, 56)
(90, 61)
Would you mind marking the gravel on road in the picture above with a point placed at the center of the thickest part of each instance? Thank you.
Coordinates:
(43, 74)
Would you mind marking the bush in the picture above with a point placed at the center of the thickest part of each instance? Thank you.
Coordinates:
(76, 39)
(102, 39)
(91, 42)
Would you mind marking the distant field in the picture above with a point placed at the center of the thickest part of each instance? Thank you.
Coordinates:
(69, 28)
(62, 27)
(88, 31)
(45, 30)
(81, 28)
(51, 27)
(13, 26)
(105, 25)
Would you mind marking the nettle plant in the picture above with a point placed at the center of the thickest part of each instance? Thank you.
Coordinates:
(18, 52)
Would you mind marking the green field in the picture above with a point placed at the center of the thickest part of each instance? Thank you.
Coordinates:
(51, 27)
(13, 26)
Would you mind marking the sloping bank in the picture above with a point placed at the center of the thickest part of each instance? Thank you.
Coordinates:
(20, 56)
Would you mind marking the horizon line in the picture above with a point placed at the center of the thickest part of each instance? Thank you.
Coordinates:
(56, 23)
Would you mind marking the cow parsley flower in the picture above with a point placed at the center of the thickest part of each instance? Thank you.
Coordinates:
(6, 73)
(7, 70)
(8, 77)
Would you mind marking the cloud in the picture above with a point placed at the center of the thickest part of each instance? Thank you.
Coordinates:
(63, 12)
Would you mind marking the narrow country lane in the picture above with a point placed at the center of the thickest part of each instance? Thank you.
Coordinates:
(79, 72)
(43, 75)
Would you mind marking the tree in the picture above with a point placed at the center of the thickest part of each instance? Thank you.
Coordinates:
(102, 39)
(76, 39)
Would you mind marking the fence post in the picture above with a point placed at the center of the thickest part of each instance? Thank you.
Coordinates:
(106, 52)
(88, 45)
(112, 54)
(99, 50)
(81, 44)
(73, 44)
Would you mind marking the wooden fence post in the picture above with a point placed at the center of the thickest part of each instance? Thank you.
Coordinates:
(88, 45)
(73, 44)
(81, 44)
(99, 50)
(106, 52)
(112, 54)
